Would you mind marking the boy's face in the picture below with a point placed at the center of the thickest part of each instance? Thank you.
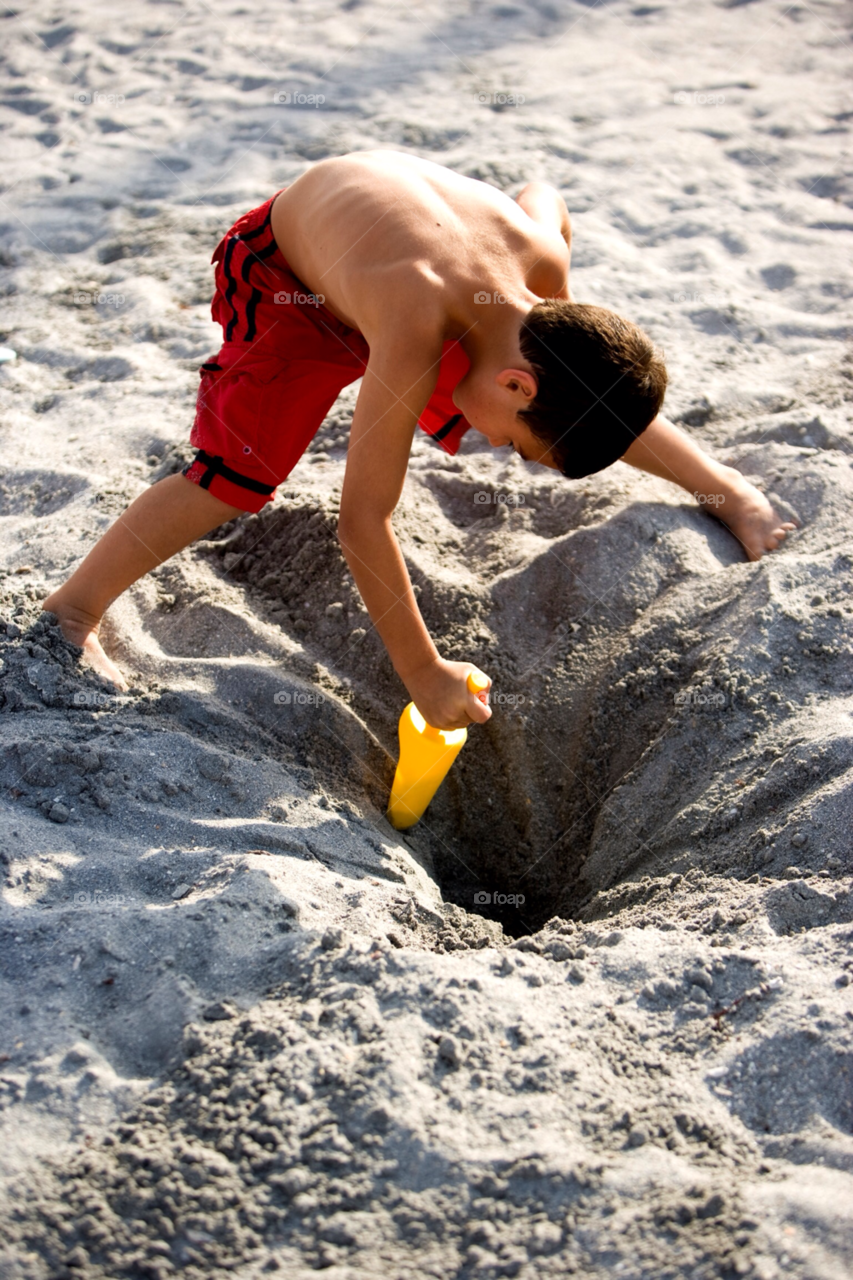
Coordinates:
(521, 438)
(491, 405)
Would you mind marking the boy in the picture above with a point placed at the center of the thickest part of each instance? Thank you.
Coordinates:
(431, 287)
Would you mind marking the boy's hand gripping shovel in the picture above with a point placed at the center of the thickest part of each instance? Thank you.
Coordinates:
(426, 754)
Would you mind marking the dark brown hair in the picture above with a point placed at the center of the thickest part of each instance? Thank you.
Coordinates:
(601, 382)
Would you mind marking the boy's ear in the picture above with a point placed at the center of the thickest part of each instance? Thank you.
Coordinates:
(519, 381)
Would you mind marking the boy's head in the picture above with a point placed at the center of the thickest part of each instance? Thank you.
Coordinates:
(600, 382)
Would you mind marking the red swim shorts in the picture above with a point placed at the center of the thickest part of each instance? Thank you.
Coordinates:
(283, 362)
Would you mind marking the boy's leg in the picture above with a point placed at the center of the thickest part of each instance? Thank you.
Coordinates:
(162, 521)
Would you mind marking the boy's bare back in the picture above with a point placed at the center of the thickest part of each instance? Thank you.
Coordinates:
(385, 236)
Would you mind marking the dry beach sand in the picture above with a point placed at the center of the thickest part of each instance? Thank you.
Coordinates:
(246, 1027)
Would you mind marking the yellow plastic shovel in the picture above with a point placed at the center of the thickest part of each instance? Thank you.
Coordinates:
(426, 754)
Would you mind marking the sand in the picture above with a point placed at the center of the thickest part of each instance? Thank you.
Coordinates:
(593, 1015)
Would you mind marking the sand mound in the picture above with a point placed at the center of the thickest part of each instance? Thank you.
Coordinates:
(489, 1114)
(376, 1109)
(692, 699)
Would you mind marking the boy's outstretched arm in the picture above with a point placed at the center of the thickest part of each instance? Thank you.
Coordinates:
(663, 450)
(395, 390)
(544, 204)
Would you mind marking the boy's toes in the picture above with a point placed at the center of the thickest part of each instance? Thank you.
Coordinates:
(94, 656)
(776, 537)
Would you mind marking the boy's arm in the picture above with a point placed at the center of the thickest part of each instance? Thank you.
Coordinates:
(394, 392)
(663, 450)
(545, 205)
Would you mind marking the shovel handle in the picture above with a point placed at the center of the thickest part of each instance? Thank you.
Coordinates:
(477, 683)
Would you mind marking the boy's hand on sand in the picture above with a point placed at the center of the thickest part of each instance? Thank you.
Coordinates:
(83, 631)
(750, 517)
(440, 692)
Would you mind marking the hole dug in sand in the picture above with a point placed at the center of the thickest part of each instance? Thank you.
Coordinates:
(658, 703)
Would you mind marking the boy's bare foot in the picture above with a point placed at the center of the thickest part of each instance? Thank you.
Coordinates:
(82, 630)
(750, 517)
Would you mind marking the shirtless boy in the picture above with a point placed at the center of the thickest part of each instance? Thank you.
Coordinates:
(377, 264)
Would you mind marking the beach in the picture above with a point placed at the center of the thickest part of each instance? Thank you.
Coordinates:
(593, 1014)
